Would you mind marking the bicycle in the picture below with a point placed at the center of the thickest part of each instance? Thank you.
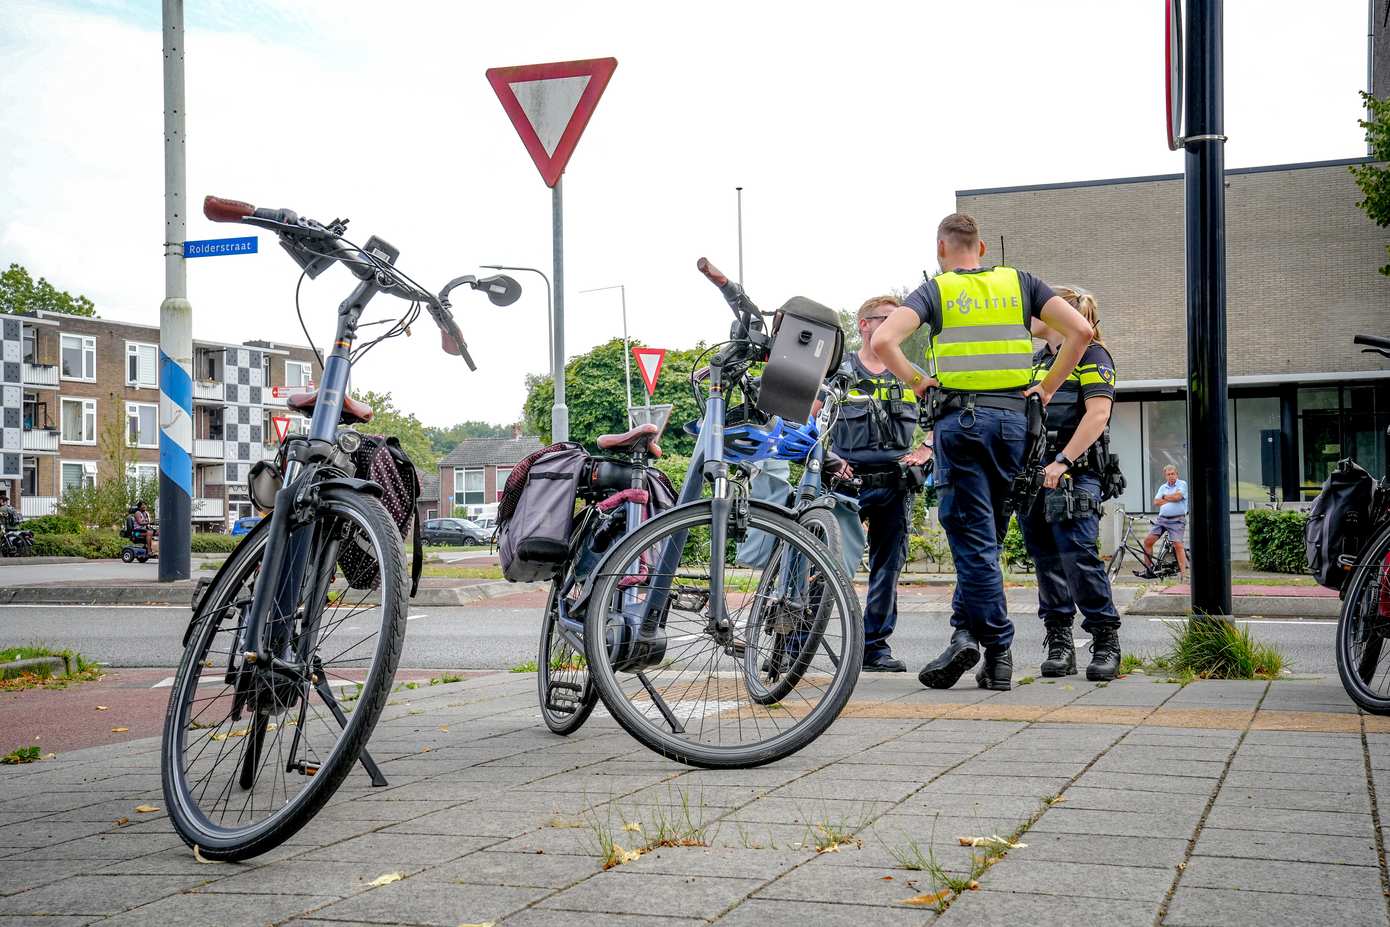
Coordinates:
(1165, 558)
(667, 650)
(285, 669)
(1364, 624)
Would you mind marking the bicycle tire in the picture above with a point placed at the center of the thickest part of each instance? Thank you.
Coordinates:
(585, 698)
(1117, 561)
(710, 745)
(786, 669)
(1364, 625)
(356, 515)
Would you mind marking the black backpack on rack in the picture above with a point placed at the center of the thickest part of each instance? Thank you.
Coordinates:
(1338, 522)
(381, 460)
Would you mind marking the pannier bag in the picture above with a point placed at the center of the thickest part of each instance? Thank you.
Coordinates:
(806, 345)
(536, 512)
(381, 460)
(1338, 522)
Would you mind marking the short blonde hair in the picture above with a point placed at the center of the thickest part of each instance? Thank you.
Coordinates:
(959, 230)
(1085, 303)
(874, 302)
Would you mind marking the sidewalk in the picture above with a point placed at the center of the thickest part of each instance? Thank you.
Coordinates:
(1139, 803)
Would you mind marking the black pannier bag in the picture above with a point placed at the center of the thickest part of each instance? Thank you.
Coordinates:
(536, 512)
(1338, 522)
(381, 460)
(806, 345)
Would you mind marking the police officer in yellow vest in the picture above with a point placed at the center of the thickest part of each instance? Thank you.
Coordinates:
(981, 358)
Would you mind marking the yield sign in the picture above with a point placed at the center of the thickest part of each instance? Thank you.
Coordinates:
(550, 104)
(649, 365)
(282, 427)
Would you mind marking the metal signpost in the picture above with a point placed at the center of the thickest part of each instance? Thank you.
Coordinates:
(175, 326)
(1208, 467)
(550, 104)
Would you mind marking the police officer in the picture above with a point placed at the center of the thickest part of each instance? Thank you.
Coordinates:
(981, 357)
(874, 432)
(1061, 528)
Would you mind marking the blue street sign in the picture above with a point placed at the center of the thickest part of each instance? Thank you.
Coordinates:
(214, 247)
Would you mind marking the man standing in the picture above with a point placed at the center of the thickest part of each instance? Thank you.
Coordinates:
(9, 515)
(874, 433)
(1171, 500)
(981, 357)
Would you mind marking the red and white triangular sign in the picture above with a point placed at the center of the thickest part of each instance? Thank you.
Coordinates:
(649, 365)
(282, 426)
(550, 104)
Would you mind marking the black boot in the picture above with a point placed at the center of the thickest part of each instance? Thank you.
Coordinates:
(996, 672)
(1105, 655)
(1061, 652)
(960, 654)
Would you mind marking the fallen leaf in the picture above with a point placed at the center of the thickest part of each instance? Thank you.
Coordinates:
(632, 826)
(931, 898)
(145, 809)
(122, 822)
(386, 879)
(482, 924)
(1056, 800)
(973, 886)
(444, 728)
(119, 730)
(103, 708)
(424, 749)
(992, 840)
(887, 878)
(197, 854)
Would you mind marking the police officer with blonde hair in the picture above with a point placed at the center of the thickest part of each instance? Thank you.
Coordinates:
(1061, 527)
(981, 358)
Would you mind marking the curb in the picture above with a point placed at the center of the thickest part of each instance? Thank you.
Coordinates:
(1244, 606)
(56, 666)
(48, 561)
(181, 593)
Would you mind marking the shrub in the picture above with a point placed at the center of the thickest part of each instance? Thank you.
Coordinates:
(93, 545)
(1276, 540)
(930, 544)
(52, 524)
(205, 542)
(1014, 551)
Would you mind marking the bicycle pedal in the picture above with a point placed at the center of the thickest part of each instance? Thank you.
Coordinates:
(305, 768)
(561, 708)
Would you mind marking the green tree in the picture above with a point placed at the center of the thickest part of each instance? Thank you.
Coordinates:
(1374, 179)
(117, 489)
(19, 293)
(596, 395)
(444, 440)
(403, 426)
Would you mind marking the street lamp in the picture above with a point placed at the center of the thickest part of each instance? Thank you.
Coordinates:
(627, 359)
(559, 414)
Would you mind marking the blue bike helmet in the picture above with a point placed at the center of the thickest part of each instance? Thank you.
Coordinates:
(777, 439)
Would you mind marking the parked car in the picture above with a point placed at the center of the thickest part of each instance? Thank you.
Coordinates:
(244, 525)
(453, 531)
(489, 525)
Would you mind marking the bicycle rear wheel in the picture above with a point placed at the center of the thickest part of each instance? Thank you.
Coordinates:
(566, 692)
(1363, 661)
(249, 753)
(1117, 562)
(688, 697)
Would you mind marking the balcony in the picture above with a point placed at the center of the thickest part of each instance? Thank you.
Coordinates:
(34, 506)
(208, 391)
(208, 449)
(41, 440)
(40, 374)
(206, 509)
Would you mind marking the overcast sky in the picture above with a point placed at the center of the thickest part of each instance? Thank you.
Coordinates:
(849, 126)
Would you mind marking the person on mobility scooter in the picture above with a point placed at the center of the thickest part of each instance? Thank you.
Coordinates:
(143, 536)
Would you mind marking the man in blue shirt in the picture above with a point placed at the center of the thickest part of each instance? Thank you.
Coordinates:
(1171, 499)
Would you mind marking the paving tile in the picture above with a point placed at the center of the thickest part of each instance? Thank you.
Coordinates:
(1010, 909)
(20, 875)
(820, 882)
(93, 894)
(222, 910)
(810, 811)
(1079, 796)
(123, 844)
(47, 831)
(539, 917)
(1144, 782)
(619, 892)
(1318, 766)
(339, 879)
(1291, 822)
(1342, 881)
(1066, 820)
(71, 920)
(1202, 907)
(723, 861)
(758, 912)
(439, 904)
(400, 849)
(1089, 880)
(1306, 782)
(1310, 848)
(998, 785)
(1236, 796)
(1106, 850)
(473, 821)
(488, 867)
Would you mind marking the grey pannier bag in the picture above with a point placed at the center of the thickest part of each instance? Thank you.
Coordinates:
(536, 512)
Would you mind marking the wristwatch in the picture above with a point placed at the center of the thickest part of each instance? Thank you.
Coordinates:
(1062, 459)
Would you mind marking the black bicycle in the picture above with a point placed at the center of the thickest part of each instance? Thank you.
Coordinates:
(1165, 558)
(1364, 625)
(289, 655)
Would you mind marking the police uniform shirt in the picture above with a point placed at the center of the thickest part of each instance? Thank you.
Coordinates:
(1094, 376)
(926, 299)
(854, 436)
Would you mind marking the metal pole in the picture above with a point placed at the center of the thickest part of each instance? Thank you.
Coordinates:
(627, 354)
(740, 235)
(1210, 546)
(175, 325)
(559, 413)
(555, 373)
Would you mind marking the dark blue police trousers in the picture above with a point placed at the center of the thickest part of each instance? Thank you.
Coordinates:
(887, 510)
(1071, 575)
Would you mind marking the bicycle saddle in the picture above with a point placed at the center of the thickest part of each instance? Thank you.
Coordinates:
(354, 412)
(629, 441)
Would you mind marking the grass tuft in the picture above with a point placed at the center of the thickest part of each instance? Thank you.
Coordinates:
(1216, 649)
(21, 755)
(529, 666)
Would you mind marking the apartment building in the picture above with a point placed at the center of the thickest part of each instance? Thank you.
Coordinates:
(64, 380)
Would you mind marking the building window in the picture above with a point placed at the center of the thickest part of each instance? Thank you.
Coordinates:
(35, 413)
(29, 477)
(142, 471)
(502, 474)
(79, 357)
(141, 365)
(1247, 420)
(30, 344)
(298, 373)
(431, 514)
(1337, 422)
(468, 486)
(80, 473)
(142, 424)
(79, 421)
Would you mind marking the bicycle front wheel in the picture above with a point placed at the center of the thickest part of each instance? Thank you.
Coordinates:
(1117, 562)
(251, 752)
(1362, 658)
(686, 693)
(562, 674)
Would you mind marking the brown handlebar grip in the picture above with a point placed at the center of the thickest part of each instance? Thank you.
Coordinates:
(714, 273)
(219, 210)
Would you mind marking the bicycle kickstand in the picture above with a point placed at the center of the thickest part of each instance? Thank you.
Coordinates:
(365, 758)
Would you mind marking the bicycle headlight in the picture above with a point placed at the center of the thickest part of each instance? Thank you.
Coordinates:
(263, 482)
(349, 442)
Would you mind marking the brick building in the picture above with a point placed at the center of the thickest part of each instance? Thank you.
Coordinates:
(64, 380)
(1301, 281)
(472, 474)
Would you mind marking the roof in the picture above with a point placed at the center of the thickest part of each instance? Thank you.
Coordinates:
(499, 452)
(1151, 178)
(429, 485)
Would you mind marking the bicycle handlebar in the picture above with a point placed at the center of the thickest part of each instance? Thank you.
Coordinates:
(733, 292)
(1373, 344)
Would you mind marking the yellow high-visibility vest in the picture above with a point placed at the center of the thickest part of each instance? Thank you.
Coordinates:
(984, 344)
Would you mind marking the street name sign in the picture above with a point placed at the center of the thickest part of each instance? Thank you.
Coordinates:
(550, 104)
(216, 247)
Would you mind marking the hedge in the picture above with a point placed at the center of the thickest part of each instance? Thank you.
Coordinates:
(52, 524)
(93, 545)
(204, 542)
(1276, 540)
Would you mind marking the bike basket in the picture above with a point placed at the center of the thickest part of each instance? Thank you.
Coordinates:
(807, 343)
(381, 460)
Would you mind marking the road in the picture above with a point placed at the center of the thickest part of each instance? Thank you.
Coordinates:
(500, 633)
